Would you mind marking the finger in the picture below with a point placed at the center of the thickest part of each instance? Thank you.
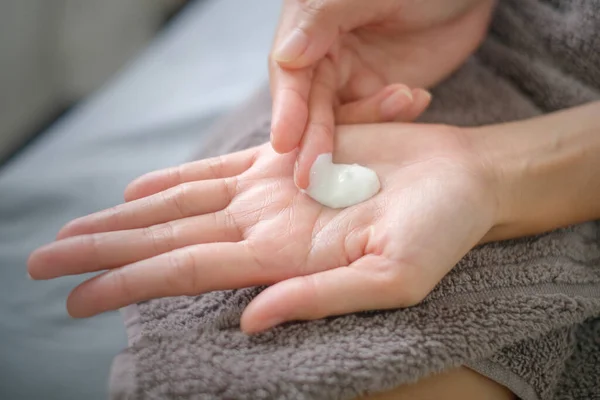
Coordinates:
(421, 100)
(290, 91)
(185, 200)
(386, 105)
(90, 253)
(367, 284)
(211, 168)
(188, 271)
(309, 30)
(360, 81)
(318, 138)
(305, 33)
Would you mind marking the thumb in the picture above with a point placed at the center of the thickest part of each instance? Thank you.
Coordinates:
(309, 28)
(369, 283)
(307, 31)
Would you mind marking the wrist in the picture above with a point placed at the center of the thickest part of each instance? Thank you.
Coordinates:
(543, 171)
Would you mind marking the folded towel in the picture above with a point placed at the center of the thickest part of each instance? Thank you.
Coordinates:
(525, 313)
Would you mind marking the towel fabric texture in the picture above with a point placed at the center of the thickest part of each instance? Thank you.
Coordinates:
(525, 313)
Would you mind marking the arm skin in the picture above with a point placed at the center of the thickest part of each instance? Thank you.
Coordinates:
(546, 170)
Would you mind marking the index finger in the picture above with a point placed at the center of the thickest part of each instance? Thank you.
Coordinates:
(318, 137)
(290, 90)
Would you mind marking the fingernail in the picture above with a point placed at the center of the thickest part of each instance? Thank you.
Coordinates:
(427, 94)
(395, 102)
(291, 47)
(29, 277)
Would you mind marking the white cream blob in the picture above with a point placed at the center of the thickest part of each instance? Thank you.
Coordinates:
(341, 185)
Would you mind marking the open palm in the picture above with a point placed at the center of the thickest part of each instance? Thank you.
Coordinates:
(240, 221)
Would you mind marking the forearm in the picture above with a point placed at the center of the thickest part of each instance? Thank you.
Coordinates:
(546, 170)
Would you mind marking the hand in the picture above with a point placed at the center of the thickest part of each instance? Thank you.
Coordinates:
(240, 221)
(354, 61)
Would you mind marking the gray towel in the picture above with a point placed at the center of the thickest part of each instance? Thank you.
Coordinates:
(525, 312)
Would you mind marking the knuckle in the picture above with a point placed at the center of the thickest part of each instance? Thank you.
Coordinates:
(310, 290)
(123, 285)
(177, 174)
(215, 165)
(183, 274)
(91, 241)
(294, 92)
(315, 7)
(230, 187)
(178, 197)
(160, 236)
(113, 217)
(321, 129)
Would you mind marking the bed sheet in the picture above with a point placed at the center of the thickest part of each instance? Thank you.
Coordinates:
(151, 115)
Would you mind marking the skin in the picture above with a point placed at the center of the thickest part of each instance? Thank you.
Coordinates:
(186, 230)
(189, 228)
(350, 56)
(456, 384)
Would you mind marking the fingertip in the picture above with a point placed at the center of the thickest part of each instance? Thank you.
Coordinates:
(291, 48)
(63, 233)
(76, 306)
(386, 105)
(41, 261)
(46, 261)
(252, 326)
(32, 264)
(424, 97)
(400, 87)
(319, 140)
(302, 174)
(281, 143)
(427, 94)
(422, 100)
(72, 228)
(269, 309)
(131, 191)
(145, 185)
(290, 114)
(72, 310)
(399, 99)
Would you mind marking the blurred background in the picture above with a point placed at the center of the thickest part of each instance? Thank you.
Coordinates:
(94, 93)
(55, 52)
